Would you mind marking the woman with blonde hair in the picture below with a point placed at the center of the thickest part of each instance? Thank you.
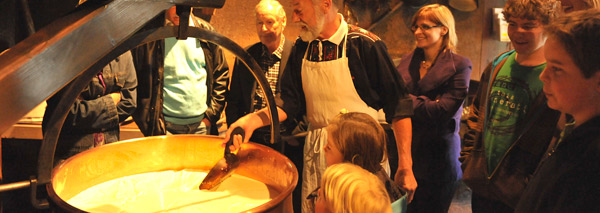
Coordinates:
(437, 79)
(348, 188)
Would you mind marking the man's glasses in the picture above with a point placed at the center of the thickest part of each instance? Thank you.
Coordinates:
(423, 27)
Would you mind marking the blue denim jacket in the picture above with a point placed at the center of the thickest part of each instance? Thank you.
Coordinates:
(94, 111)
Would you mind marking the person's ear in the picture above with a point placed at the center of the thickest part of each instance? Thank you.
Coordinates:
(326, 5)
(444, 30)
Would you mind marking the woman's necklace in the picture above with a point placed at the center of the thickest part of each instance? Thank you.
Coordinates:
(425, 64)
(424, 68)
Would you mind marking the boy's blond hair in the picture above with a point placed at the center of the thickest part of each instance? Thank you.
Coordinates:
(349, 188)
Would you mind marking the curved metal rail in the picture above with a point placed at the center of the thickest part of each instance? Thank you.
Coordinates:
(53, 58)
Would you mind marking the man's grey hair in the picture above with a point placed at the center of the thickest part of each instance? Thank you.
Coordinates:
(265, 5)
(337, 4)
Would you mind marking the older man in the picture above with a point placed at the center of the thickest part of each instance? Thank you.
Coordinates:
(271, 53)
(335, 66)
(245, 95)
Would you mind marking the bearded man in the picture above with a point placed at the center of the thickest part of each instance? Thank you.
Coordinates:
(337, 67)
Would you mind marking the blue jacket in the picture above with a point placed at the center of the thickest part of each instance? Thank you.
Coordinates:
(437, 102)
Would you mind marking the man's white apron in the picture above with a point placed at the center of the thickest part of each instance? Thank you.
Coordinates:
(328, 88)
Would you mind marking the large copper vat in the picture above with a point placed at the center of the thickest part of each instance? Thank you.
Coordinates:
(111, 28)
(175, 152)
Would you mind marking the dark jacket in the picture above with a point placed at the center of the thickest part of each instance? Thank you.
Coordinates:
(243, 84)
(242, 92)
(95, 111)
(437, 103)
(508, 180)
(149, 60)
(373, 73)
(569, 179)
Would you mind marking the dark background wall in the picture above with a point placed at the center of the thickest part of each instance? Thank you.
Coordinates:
(389, 19)
(476, 40)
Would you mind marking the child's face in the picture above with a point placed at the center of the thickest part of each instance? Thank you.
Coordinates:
(526, 35)
(564, 84)
(333, 154)
(320, 205)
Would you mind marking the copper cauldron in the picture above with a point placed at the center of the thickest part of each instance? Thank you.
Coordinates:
(174, 152)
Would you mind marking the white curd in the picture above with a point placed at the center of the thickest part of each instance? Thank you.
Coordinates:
(171, 191)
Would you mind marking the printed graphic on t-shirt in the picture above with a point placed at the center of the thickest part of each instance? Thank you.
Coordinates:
(513, 90)
(509, 101)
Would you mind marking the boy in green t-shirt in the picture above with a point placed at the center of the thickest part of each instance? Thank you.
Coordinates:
(503, 144)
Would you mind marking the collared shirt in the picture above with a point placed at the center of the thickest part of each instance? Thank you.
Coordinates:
(270, 63)
(328, 49)
(375, 78)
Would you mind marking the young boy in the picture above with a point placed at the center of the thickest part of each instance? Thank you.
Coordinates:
(510, 125)
(568, 180)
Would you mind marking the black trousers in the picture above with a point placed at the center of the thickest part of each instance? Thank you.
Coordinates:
(481, 204)
(433, 196)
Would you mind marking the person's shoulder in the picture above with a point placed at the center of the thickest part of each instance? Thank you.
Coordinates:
(358, 32)
(461, 61)
(287, 43)
(299, 41)
(299, 44)
(202, 23)
(253, 47)
(502, 56)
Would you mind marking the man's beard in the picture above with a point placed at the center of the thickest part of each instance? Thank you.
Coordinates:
(311, 33)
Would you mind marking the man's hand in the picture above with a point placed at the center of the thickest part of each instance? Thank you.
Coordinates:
(249, 123)
(404, 176)
(116, 97)
(406, 180)
(237, 143)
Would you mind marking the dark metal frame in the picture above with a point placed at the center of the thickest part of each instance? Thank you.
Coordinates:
(16, 65)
